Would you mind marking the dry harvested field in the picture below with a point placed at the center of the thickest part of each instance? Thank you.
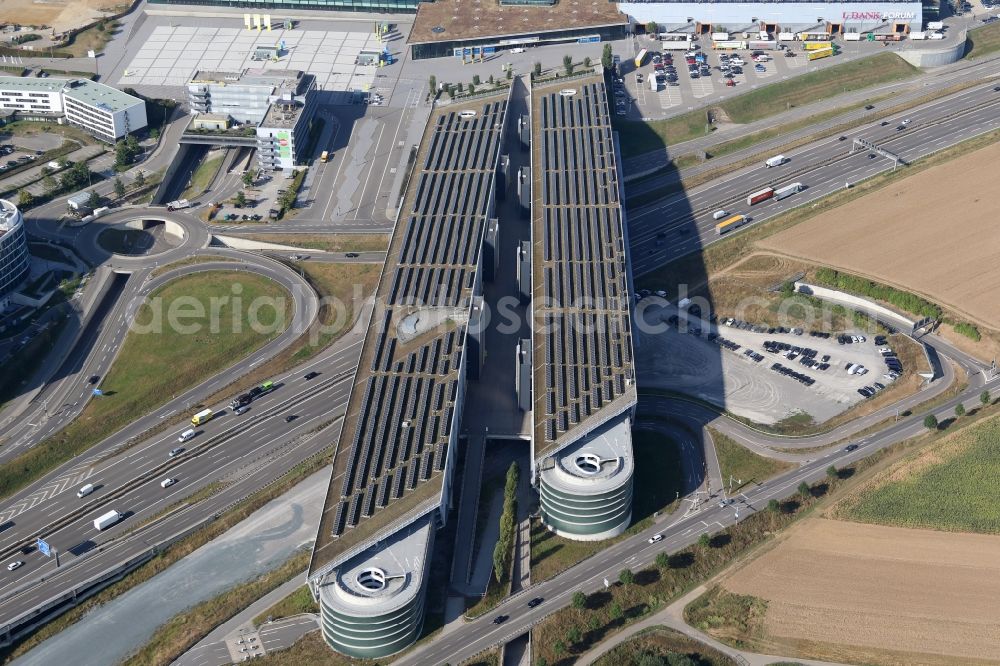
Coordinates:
(936, 233)
(870, 594)
(62, 15)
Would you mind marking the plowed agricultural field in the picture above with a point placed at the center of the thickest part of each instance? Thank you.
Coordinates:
(937, 232)
(871, 594)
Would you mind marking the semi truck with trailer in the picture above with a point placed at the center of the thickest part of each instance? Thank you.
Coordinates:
(787, 191)
(734, 222)
(821, 53)
(107, 520)
(241, 401)
(760, 195)
(179, 204)
(639, 57)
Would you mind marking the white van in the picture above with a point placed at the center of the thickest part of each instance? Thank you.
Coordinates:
(186, 435)
(777, 160)
(719, 214)
(166, 483)
(85, 490)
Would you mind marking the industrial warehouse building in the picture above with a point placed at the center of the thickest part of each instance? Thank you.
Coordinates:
(833, 18)
(102, 111)
(480, 29)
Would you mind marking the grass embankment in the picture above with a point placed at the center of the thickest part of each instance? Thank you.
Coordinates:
(718, 255)
(669, 646)
(952, 486)
(151, 367)
(654, 587)
(298, 602)
(343, 289)
(731, 618)
(658, 481)
(816, 86)
(183, 631)
(327, 242)
(94, 38)
(168, 557)
(196, 259)
(983, 41)
(742, 464)
(640, 137)
(203, 176)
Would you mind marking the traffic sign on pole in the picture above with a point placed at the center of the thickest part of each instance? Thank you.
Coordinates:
(43, 548)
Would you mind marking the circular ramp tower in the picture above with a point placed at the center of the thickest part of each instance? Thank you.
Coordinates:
(373, 605)
(586, 488)
(14, 260)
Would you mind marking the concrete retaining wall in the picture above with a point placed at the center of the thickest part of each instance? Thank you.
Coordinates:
(238, 243)
(880, 312)
(936, 57)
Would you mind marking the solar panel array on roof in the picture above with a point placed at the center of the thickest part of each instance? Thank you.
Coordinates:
(582, 338)
(397, 431)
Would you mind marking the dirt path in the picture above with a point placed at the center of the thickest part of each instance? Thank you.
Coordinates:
(60, 15)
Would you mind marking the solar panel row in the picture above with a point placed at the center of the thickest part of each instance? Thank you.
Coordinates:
(585, 328)
(399, 436)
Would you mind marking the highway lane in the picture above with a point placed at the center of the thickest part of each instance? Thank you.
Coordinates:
(198, 466)
(60, 402)
(143, 541)
(662, 232)
(902, 92)
(33, 510)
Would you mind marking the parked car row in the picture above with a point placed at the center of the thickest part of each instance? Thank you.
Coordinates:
(789, 372)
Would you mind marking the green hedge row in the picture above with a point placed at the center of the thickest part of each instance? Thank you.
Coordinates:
(504, 549)
(858, 285)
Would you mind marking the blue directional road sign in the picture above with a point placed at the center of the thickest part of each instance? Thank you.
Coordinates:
(98, 392)
(44, 549)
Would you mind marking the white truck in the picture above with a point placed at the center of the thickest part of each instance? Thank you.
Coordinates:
(787, 190)
(777, 160)
(935, 25)
(179, 204)
(654, 84)
(107, 520)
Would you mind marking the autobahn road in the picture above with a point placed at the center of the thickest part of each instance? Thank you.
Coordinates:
(907, 91)
(473, 637)
(226, 445)
(660, 233)
(31, 508)
(61, 401)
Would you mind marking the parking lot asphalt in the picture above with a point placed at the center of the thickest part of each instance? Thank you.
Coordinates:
(722, 371)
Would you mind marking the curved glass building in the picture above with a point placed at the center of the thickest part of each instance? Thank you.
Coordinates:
(586, 489)
(373, 605)
(14, 260)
